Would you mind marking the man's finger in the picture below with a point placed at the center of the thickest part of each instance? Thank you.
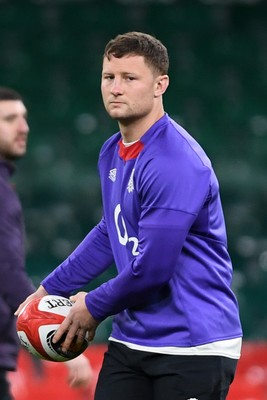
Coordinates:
(81, 334)
(71, 335)
(63, 328)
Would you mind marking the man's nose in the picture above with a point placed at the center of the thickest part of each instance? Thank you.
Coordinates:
(23, 125)
(116, 87)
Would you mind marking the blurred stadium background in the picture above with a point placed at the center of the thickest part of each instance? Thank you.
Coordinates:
(51, 51)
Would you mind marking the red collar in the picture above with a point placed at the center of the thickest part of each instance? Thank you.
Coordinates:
(130, 152)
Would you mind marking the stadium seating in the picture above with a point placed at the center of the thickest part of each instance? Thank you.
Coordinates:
(218, 72)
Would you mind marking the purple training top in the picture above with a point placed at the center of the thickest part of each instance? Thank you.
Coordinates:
(163, 226)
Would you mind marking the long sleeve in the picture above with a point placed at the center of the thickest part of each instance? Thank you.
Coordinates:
(142, 278)
(87, 261)
(15, 283)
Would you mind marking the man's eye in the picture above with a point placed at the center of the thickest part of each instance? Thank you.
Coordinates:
(9, 119)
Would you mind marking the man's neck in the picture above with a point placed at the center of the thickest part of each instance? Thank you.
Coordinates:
(134, 130)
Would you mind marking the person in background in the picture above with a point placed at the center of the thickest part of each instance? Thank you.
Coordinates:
(15, 283)
(176, 330)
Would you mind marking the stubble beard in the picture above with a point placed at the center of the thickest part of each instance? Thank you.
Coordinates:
(126, 118)
(12, 155)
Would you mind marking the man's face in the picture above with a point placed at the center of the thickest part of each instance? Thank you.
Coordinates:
(14, 129)
(128, 88)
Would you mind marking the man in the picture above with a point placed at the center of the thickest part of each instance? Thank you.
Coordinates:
(176, 331)
(15, 284)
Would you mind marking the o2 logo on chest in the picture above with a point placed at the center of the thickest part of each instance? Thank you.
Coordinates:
(122, 231)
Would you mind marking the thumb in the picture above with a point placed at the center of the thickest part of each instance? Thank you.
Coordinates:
(73, 298)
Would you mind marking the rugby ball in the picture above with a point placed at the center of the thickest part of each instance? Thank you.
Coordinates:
(37, 323)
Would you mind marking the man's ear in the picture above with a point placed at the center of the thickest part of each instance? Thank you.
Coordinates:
(161, 84)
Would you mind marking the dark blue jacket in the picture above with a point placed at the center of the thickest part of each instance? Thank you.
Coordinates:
(15, 285)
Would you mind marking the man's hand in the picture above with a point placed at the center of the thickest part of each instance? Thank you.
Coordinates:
(79, 322)
(40, 292)
(80, 372)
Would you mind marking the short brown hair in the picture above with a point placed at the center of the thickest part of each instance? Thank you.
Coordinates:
(9, 94)
(140, 44)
